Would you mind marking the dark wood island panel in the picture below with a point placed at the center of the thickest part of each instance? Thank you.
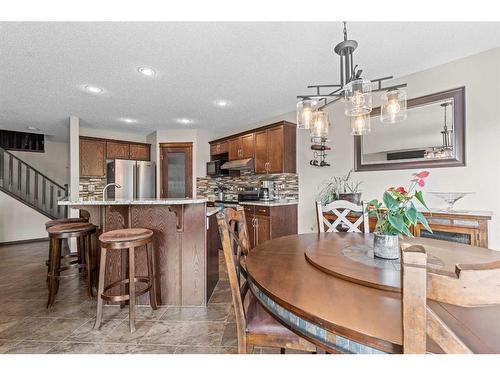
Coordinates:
(181, 251)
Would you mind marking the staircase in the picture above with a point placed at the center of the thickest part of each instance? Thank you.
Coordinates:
(31, 187)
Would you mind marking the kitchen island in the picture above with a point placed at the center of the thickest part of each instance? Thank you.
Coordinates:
(182, 258)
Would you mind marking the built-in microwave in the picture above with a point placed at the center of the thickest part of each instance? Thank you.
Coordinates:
(214, 170)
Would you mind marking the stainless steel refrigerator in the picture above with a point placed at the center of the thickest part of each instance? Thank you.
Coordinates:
(136, 178)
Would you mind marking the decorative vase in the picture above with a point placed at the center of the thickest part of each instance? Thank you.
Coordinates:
(350, 197)
(386, 246)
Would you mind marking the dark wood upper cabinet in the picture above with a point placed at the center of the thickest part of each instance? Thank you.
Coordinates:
(117, 150)
(140, 151)
(247, 144)
(234, 149)
(261, 147)
(92, 157)
(95, 151)
(273, 147)
(275, 153)
(219, 148)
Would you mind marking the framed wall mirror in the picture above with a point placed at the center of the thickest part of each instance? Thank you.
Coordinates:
(432, 136)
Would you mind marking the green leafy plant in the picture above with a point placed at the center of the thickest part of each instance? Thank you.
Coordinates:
(397, 212)
(338, 185)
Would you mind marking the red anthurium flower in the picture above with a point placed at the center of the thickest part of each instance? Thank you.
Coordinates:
(422, 174)
(421, 183)
(401, 190)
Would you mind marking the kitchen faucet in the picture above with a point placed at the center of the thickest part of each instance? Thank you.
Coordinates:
(106, 187)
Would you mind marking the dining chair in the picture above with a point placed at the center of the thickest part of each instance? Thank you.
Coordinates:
(254, 325)
(471, 285)
(340, 210)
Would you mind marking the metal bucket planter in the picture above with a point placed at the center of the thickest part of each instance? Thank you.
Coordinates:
(386, 246)
(350, 197)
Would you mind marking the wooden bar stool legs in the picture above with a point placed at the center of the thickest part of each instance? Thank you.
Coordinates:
(128, 240)
(82, 232)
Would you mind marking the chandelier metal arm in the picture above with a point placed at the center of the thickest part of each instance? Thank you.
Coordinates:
(340, 94)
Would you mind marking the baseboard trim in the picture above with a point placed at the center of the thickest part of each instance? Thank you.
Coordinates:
(23, 241)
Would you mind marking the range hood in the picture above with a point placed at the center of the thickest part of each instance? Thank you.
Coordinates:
(238, 165)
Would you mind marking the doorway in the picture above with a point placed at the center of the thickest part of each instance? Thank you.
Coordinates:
(176, 163)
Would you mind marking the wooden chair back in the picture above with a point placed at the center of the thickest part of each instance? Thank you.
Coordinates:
(470, 285)
(235, 244)
(340, 209)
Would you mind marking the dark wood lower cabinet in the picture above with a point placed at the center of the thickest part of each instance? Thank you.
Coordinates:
(265, 223)
(213, 246)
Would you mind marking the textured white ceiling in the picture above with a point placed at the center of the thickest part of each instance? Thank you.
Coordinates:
(259, 67)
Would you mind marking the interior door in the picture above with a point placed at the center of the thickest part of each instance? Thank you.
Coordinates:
(261, 152)
(275, 149)
(176, 170)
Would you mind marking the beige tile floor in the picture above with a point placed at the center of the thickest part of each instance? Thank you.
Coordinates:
(26, 326)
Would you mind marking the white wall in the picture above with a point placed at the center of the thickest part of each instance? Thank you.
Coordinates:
(112, 134)
(480, 74)
(53, 163)
(19, 222)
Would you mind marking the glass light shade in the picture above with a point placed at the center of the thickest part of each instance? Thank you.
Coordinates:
(320, 126)
(393, 107)
(305, 113)
(360, 124)
(358, 97)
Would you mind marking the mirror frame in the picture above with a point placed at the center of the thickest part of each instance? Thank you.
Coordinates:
(458, 96)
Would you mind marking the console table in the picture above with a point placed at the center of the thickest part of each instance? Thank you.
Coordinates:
(467, 227)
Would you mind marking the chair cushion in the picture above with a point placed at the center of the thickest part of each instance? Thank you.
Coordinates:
(70, 220)
(70, 228)
(259, 321)
(124, 235)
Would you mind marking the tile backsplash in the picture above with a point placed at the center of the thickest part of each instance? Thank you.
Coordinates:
(287, 184)
(91, 188)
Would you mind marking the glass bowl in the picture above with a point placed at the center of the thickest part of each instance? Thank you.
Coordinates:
(450, 197)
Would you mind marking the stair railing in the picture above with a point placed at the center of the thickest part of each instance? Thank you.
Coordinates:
(30, 186)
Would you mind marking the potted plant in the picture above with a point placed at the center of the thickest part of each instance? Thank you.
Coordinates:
(341, 188)
(395, 215)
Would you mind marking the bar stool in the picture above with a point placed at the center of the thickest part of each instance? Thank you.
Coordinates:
(70, 256)
(128, 239)
(83, 233)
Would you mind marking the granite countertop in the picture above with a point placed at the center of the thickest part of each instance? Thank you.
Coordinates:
(212, 210)
(283, 202)
(137, 202)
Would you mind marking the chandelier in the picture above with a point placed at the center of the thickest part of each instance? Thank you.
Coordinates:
(357, 94)
(446, 150)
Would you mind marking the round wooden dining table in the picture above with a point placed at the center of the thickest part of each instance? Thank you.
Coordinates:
(331, 290)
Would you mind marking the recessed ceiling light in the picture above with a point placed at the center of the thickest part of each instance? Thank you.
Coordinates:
(93, 89)
(32, 128)
(222, 103)
(128, 120)
(184, 121)
(146, 71)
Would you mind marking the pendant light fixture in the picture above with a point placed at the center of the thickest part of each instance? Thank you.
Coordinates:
(305, 113)
(357, 94)
(446, 150)
(393, 109)
(320, 125)
(360, 124)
